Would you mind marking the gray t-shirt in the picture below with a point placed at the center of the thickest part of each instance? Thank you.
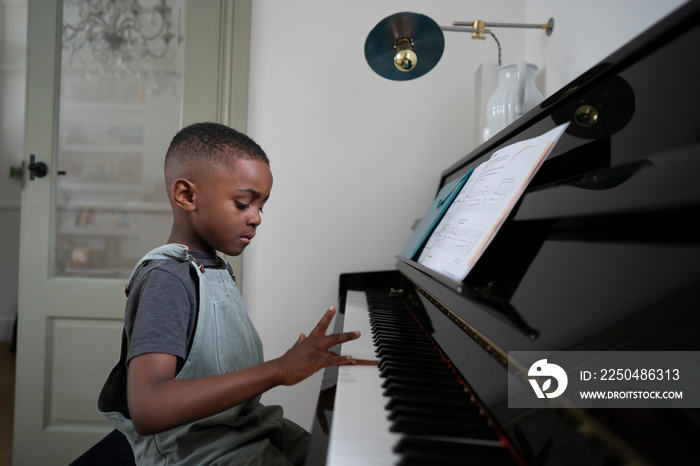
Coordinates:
(161, 310)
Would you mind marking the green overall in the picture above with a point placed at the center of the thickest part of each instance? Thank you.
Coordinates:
(224, 341)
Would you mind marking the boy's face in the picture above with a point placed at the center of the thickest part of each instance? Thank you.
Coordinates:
(230, 205)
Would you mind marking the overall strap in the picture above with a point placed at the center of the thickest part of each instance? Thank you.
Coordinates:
(175, 251)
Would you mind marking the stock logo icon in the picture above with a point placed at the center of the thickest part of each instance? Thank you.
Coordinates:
(543, 369)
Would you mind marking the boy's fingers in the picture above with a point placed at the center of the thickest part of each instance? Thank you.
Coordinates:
(329, 341)
(338, 338)
(323, 324)
(345, 361)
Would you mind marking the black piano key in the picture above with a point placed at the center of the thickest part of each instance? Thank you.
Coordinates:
(423, 451)
(406, 344)
(428, 377)
(435, 411)
(417, 393)
(409, 365)
(393, 317)
(391, 364)
(426, 346)
(394, 354)
(403, 341)
(415, 366)
(412, 393)
(392, 312)
(399, 336)
(432, 404)
(381, 330)
(423, 362)
(428, 361)
(382, 327)
(423, 425)
(383, 323)
(394, 334)
(394, 368)
(419, 384)
(409, 353)
(402, 351)
(402, 354)
(386, 308)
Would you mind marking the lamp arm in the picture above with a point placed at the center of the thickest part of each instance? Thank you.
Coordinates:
(547, 27)
(460, 26)
(465, 29)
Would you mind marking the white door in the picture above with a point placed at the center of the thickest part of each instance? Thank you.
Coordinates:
(101, 137)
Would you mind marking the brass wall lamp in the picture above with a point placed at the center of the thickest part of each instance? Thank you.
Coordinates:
(394, 45)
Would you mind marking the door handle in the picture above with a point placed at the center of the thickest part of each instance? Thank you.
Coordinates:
(38, 169)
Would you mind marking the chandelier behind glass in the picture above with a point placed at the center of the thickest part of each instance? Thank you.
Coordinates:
(116, 36)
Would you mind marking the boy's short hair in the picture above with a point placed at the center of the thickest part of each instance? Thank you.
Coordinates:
(201, 146)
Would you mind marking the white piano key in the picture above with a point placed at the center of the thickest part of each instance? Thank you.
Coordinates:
(357, 318)
(360, 428)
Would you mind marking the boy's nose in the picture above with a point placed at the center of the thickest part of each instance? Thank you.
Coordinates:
(255, 219)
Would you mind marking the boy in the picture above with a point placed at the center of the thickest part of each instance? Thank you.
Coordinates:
(187, 387)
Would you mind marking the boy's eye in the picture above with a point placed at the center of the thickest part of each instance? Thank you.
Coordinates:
(242, 206)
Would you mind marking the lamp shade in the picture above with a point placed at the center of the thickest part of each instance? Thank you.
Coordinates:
(389, 45)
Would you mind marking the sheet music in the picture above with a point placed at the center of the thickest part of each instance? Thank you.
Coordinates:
(483, 204)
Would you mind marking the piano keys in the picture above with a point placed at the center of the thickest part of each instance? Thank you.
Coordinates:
(600, 254)
(363, 436)
(411, 408)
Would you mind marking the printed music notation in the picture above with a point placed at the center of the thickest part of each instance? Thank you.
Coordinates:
(483, 204)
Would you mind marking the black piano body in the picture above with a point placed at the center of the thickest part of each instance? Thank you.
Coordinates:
(601, 253)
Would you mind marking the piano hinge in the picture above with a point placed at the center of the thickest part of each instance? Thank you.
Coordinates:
(493, 350)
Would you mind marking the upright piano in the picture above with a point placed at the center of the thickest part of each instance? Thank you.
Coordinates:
(601, 253)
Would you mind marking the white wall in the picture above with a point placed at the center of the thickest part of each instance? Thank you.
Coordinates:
(585, 33)
(357, 158)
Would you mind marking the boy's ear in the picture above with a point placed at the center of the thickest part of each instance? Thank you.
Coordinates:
(184, 194)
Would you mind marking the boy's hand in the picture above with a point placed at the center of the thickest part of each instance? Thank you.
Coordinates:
(311, 353)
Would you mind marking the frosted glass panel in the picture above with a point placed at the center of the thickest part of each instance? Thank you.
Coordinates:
(120, 105)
